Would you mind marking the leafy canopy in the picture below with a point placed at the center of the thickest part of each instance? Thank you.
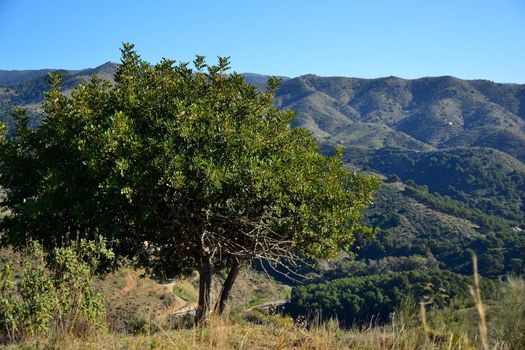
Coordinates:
(172, 163)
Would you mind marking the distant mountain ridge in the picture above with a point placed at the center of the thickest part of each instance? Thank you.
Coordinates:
(361, 115)
(422, 113)
(18, 77)
(418, 114)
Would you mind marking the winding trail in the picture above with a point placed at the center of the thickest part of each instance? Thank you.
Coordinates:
(180, 306)
(131, 283)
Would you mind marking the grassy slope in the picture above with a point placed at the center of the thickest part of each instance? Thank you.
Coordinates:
(134, 299)
(451, 328)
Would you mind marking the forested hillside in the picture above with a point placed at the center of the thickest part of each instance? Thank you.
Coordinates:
(451, 152)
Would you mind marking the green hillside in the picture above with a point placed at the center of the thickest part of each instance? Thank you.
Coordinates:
(480, 178)
(422, 230)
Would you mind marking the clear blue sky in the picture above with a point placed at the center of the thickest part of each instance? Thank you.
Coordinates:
(366, 38)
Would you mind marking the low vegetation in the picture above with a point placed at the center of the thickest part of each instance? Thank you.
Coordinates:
(52, 293)
(73, 309)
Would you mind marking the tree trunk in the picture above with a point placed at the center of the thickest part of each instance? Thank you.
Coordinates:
(227, 287)
(203, 312)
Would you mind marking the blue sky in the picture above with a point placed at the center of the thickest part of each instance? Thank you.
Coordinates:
(368, 38)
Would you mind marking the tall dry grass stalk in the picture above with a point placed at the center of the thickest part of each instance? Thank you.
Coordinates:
(423, 313)
(476, 294)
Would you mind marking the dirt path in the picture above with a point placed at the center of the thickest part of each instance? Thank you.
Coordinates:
(131, 283)
(180, 306)
(169, 286)
(268, 304)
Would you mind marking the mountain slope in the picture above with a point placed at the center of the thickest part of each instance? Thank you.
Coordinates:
(26, 88)
(418, 227)
(419, 114)
(439, 112)
(481, 178)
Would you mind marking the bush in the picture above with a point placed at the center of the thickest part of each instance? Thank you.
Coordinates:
(52, 292)
(268, 317)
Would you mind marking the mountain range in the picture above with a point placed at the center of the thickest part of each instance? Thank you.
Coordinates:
(451, 152)
(421, 114)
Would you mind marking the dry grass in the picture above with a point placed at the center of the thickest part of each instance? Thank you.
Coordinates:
(276, 333)
(500, 326)
(507, 317)
(476, 294)
(406, 331)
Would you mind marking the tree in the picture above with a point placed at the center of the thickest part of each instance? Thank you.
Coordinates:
(181, 169)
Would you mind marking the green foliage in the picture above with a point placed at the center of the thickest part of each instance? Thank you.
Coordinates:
(185, 293)
(362, 299)
(181, 169)
(365, 267)
(483, 179)
(269, 317)
(57, 295)
(447, 205)
(172, 163)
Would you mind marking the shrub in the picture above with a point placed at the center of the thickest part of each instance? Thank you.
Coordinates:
(52, 292)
